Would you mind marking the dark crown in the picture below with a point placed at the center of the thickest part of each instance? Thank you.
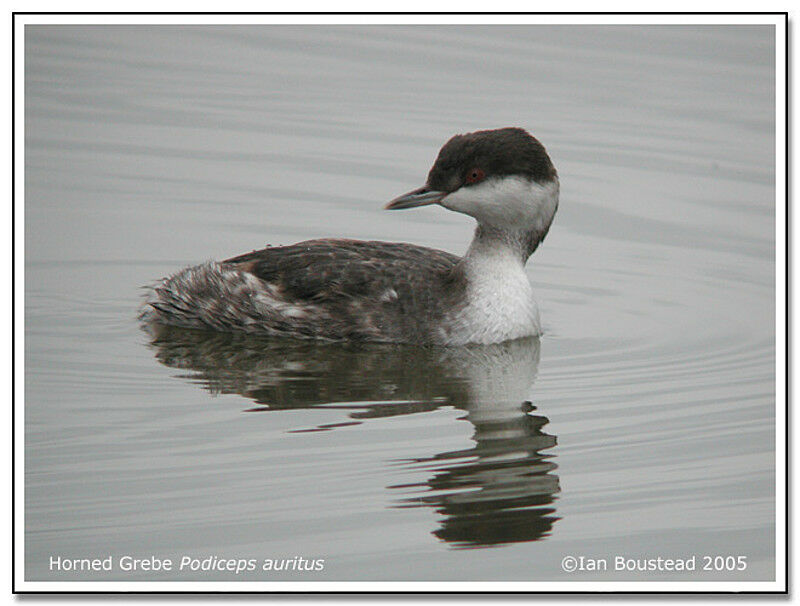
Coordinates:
(497, 153)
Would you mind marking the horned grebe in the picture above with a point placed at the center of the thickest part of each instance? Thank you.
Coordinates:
(339, 289)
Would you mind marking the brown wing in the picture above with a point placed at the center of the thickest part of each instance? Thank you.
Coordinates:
(375, 286)
(318, 270)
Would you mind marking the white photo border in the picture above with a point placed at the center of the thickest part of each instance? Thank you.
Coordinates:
(17, 299)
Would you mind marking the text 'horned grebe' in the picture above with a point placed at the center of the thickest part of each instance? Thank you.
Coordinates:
(338, 289)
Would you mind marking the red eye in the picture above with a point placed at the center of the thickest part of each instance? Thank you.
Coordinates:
(475, 175)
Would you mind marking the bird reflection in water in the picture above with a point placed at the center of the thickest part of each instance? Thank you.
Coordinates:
(501, 490)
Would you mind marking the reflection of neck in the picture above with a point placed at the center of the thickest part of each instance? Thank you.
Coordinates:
(498, 377)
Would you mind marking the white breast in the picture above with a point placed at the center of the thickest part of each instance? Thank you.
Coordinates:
(500, 304)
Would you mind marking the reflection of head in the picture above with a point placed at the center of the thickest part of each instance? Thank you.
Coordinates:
(500, 490)
(496, 527)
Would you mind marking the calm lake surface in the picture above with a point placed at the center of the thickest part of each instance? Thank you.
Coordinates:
(641, 424)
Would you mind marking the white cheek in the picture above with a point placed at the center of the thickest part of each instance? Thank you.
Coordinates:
(510, 202)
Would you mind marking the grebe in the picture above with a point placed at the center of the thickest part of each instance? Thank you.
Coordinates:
(339, 289)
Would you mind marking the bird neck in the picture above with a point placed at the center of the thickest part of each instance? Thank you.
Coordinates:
(514, 215)
(493, 242)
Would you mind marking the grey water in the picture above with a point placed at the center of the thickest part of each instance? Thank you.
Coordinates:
(641, 424)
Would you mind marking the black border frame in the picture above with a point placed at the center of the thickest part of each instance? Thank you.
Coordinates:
(787, 82)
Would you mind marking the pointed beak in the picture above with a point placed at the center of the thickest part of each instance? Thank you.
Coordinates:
(419, 197)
